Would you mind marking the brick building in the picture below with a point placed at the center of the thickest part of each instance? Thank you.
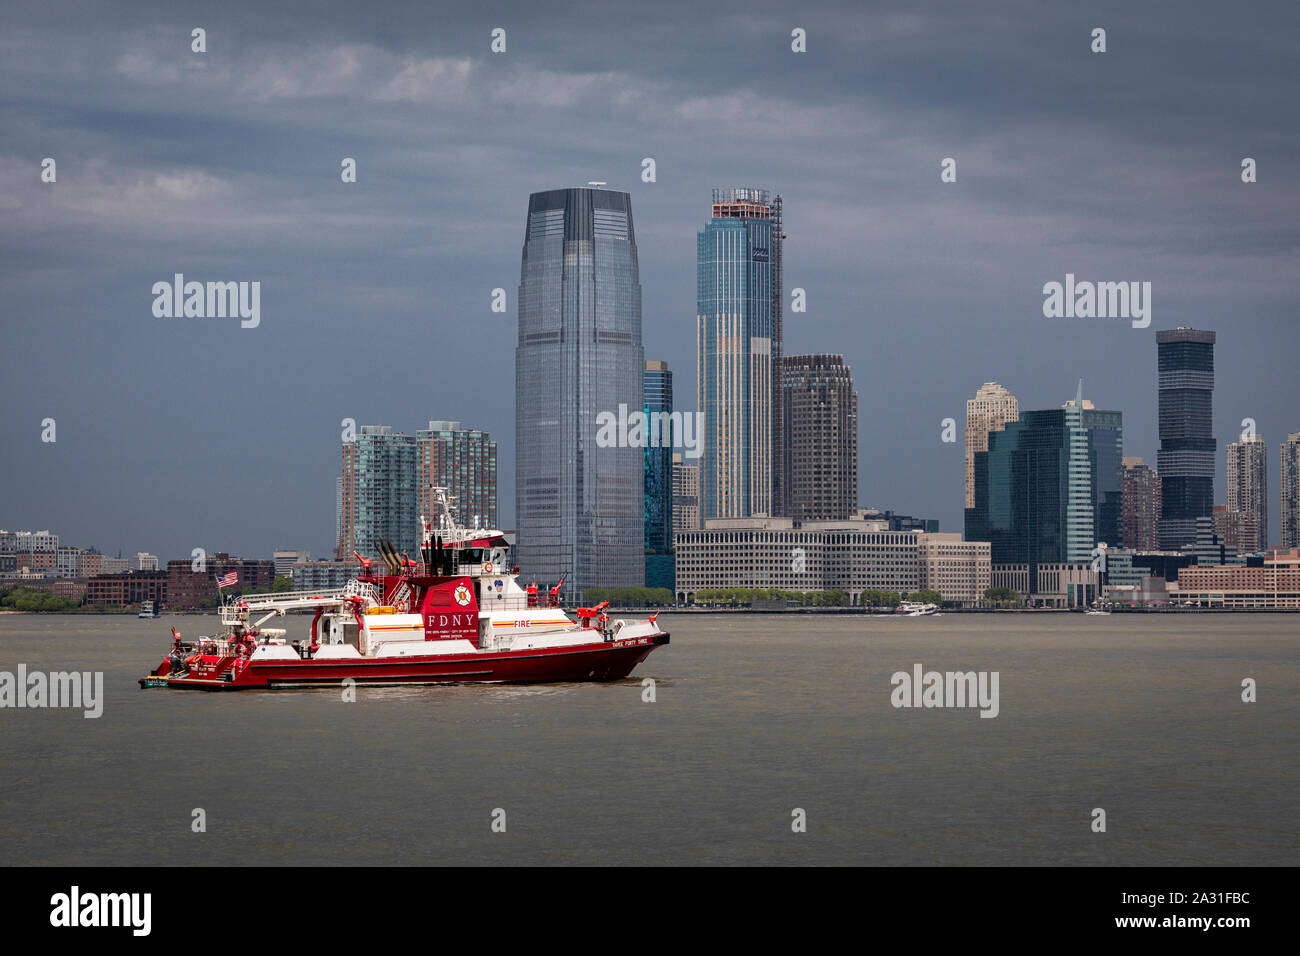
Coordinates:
(188, 588)
(131, 587)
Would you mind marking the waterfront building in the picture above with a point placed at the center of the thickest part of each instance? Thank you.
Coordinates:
(188, 588)
(1273, 585)
(127, 587)
(850, 556)
(959, 570)
(1060, 584)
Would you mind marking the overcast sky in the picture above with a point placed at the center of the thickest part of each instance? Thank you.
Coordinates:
(182, 433)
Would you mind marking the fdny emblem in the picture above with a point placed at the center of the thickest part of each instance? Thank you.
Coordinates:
(462, 595)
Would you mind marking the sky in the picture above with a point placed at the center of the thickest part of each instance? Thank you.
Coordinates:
(176, 433)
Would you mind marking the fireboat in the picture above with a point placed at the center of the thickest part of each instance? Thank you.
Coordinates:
(457, 615)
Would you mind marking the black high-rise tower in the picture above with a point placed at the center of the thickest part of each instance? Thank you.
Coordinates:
(1185, 359)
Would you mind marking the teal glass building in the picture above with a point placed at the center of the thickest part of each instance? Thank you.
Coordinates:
(1049, 487)
(658, 388)
(379, 490)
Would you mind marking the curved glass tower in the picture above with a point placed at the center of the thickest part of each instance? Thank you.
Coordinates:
(578, 506)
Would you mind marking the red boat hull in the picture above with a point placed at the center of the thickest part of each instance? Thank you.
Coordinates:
(601, 661)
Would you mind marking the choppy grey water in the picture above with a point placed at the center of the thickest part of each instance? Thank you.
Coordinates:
(755, 715)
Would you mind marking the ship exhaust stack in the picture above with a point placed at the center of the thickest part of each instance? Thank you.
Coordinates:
(384, 551)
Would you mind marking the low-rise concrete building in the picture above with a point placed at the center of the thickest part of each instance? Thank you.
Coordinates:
(1076, 584)
(851, 555)
(1274, 585)
(959, 570)
(323, 575)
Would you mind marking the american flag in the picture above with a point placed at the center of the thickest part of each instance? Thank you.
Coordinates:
(227, 580)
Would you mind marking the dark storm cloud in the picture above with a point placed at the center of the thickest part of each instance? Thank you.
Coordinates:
(182, 433)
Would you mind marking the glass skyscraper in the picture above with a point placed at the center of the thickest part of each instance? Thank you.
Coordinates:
(1049, 488)
(578, 505)
(738, 340)
(658, 476)
(1185, 361)
(380, 475)
(464, 461)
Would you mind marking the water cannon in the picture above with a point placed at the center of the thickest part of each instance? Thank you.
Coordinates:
(585, 614)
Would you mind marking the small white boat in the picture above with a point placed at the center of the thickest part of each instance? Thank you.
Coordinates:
(147, 610)
(914, 609)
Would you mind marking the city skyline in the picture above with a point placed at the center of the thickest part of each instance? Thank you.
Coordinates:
(927, 288)
(987, 412)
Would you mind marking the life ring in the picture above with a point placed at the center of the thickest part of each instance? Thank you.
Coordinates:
(401, 607)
